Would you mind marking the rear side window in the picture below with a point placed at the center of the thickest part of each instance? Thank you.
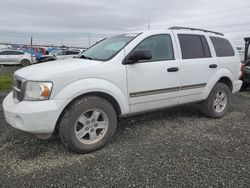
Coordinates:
(72, 52)
(11, 53)
(222, 47)
(194, 46)
(160, 47)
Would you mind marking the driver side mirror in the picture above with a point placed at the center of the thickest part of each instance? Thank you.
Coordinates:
(137, 55)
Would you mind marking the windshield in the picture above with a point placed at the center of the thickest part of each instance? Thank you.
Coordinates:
(108, 48)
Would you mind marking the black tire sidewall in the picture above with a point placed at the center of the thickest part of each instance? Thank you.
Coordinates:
(25, 64)
(218, 87)
(67, 125)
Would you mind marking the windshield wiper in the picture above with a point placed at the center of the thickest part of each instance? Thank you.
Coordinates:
(85, 57)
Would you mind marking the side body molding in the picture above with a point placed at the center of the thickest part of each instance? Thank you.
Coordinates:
(222, 72)
(88, 85)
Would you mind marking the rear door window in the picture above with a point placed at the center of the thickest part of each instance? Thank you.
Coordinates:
(194, 46)
(222, 47)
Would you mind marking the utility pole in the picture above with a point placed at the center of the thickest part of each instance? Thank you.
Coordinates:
(31, 41)
(89, 39)
(61, 41)
(148, 25)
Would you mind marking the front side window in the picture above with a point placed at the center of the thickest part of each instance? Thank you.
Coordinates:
(108, 48)
(222, 47)
(160, 47)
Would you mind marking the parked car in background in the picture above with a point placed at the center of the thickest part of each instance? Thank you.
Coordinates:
(13, 57)
(59, 55)
(246, 66)
(35, 54)
(241, 51)
(65, 54)
(82, 98)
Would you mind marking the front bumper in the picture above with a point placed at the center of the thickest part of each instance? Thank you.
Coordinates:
(32, 116)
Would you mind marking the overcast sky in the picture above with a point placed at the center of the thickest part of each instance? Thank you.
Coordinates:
(71, 22)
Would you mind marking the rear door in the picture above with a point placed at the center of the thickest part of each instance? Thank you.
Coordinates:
(154, 83)
(16, 56)
(197, 65)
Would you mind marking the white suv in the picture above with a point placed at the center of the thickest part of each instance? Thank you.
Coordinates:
(126, 74)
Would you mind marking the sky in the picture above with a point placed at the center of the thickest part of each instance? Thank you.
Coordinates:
(81, 23)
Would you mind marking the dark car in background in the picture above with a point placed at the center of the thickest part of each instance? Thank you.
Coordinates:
(246, 66)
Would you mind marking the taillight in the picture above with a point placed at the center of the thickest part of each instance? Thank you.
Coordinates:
(241, 71)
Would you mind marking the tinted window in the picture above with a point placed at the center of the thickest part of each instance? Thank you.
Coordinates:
(2, 53)
(9, 52)
(160, 46)
(72, 52)
(194, 46)
(222, 47)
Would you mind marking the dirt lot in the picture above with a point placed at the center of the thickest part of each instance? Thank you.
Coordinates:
(9, 69)
(171, 148)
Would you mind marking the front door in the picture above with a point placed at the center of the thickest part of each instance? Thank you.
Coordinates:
(154, 83)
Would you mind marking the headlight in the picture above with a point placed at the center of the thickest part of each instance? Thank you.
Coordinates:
(37, 90)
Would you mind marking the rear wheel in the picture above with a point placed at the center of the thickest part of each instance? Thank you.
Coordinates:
(25, 62)
(218, 102)
(88, 124)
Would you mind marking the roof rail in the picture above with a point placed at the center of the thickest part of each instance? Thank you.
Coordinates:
(194, 29)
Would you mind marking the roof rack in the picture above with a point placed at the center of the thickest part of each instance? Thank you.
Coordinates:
(194, 29)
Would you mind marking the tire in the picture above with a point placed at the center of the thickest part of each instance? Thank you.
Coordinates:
(213, 106)
(88, 124)
(25, 62)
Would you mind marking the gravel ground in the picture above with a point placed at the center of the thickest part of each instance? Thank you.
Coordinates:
(9, 69)
(172, 148)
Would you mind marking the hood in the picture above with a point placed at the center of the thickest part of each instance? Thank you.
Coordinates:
(53, 69)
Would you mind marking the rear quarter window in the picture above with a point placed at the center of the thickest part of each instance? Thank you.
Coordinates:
(222, 47)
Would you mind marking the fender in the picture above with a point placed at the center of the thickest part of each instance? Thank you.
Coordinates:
(80, 87)
(222, 72)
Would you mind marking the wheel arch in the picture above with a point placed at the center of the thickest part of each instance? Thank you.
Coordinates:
(25, 59)
(227, 81)
(222, 76)
(103, 95)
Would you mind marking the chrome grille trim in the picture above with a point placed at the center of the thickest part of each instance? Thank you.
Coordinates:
(18, 88)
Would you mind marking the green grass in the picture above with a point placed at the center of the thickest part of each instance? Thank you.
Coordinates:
(5, 82)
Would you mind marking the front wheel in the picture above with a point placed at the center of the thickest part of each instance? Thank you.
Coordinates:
(88, 124)
(218, 102)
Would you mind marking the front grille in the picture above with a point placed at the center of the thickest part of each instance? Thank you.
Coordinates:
(18, 88)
